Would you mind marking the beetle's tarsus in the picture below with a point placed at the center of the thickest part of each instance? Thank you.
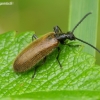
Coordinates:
(58, 48)
(34, 37)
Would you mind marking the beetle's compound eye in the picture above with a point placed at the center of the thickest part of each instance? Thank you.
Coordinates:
(70, 36)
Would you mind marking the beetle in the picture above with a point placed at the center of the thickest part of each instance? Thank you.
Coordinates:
(41, 47)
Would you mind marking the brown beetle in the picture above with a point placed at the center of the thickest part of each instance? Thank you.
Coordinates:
(40, 48)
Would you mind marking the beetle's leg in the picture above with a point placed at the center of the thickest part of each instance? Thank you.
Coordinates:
(34, 72)
(44, 60)
(57, 29)
(70, 44)
(73, 45)
(58, 48)
(34, 37)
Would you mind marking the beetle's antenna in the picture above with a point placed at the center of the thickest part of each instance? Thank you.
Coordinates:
(81, 21)
(80, 39)
(88, 44)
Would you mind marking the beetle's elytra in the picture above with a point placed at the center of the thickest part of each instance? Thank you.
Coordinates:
(36, 51)
(41, 47)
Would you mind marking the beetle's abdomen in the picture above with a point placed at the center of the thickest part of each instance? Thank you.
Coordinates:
(36, 51)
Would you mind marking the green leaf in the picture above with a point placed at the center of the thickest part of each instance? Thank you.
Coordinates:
(64, 95)
(87, 30)
(79, 72)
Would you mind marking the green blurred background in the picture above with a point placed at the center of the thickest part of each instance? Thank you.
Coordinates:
(34, 15)
(39, 16)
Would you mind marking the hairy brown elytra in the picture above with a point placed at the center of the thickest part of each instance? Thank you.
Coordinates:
(41, 47)
(36, 51)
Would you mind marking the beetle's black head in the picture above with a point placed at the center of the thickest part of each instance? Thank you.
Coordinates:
(61, 37)
(69, 35)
